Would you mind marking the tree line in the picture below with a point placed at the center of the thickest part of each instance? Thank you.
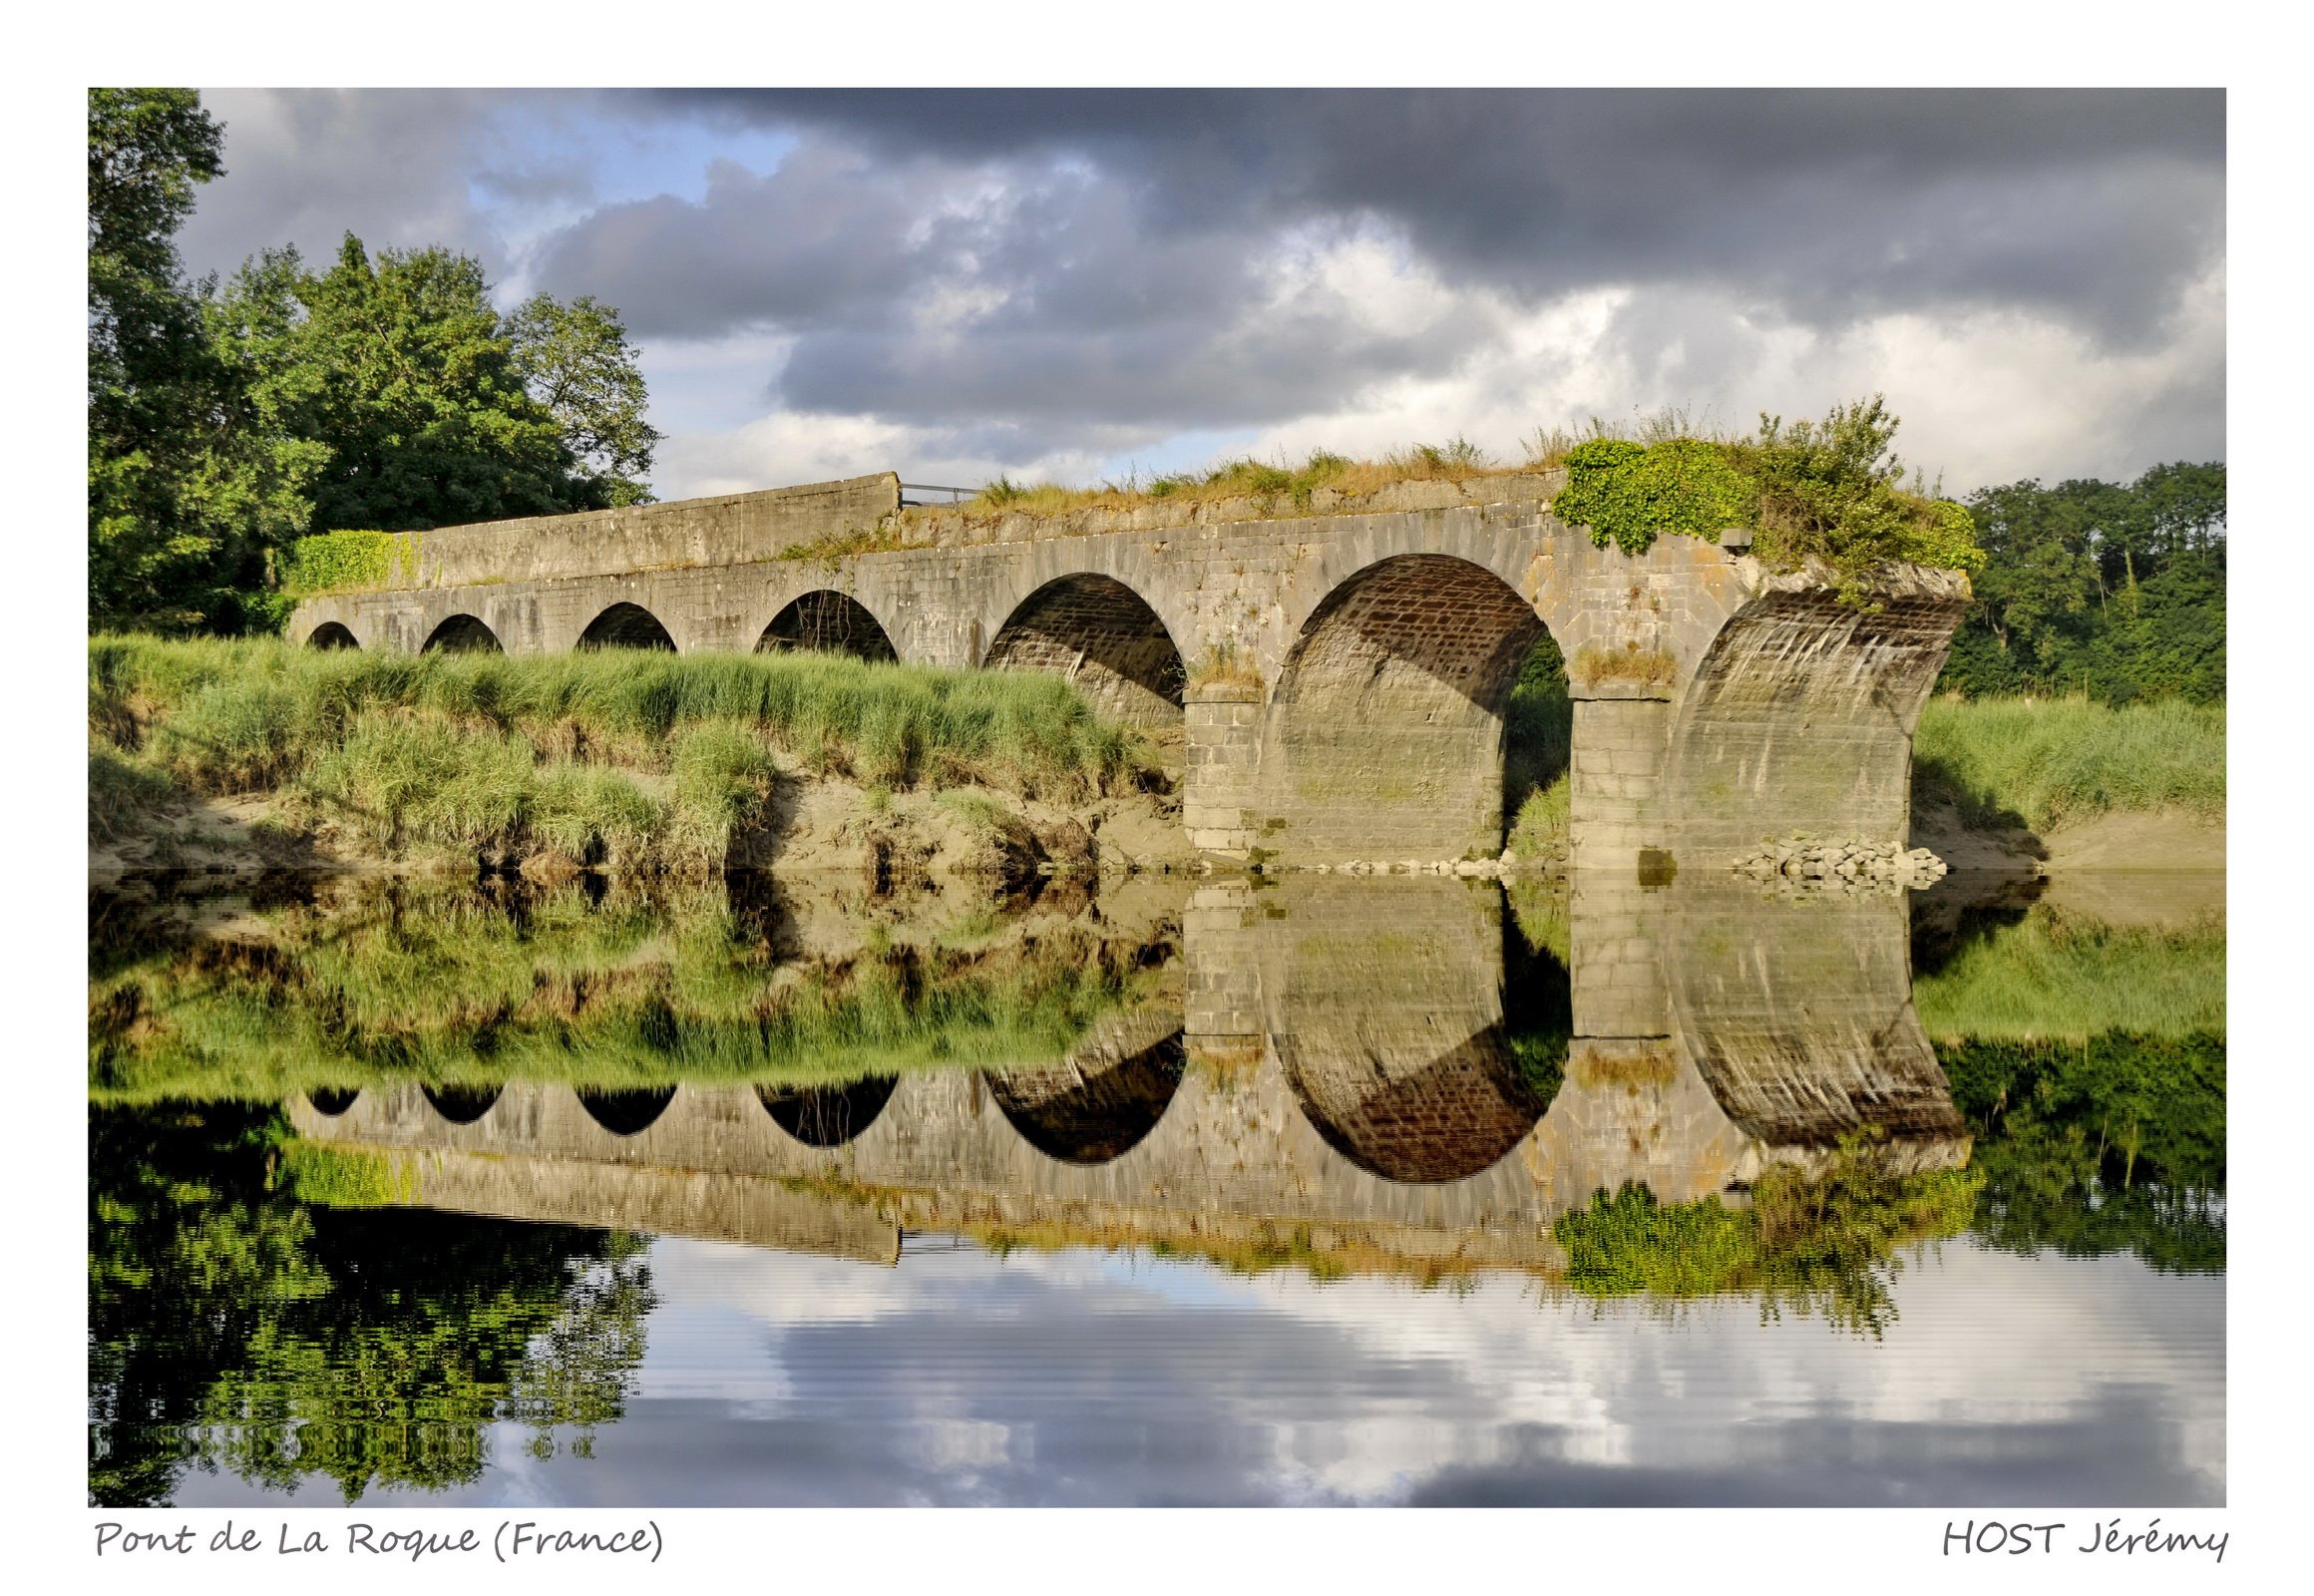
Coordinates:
(2116, 590)
(380, 392)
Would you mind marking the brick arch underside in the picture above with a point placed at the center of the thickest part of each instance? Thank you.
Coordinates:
(1400, 1109)
(626, 626)
(828, 622)
(1800, 719)
(1096, 1105)
(462, 634)
(1385, 733)
(1103, 636)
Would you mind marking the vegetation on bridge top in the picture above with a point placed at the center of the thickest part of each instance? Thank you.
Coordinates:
(1826, 490)
(1825, 1244)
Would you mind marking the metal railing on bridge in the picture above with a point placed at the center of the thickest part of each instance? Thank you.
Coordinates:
(956, 496)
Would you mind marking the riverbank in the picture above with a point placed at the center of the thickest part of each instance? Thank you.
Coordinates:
(217, 754)
(2073, 790)
(214, 755)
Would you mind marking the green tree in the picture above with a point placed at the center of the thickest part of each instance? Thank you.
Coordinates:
(576, 360)
(2093, 586)
(183, 497)
(232, 1324)
(401, 369)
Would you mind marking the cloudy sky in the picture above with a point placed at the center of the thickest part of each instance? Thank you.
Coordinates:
(1080, 285)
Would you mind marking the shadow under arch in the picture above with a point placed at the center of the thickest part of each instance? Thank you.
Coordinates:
(626, 626)
(461, 1105)
(826, 1117)
(1100, 635)
(827, 622)
(332, 1101)
(1091, 1111)
(464, 635)
(1388, 720)
(331, 634)
(627, 1114)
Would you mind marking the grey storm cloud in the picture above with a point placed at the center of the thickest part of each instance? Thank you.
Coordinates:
(1113, 244)
(1017, 274)
(2092, 203)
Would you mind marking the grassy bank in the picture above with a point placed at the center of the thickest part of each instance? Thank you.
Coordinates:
(2049, 762)
(623, 758)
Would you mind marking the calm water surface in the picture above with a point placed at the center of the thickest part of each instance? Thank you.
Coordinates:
(1333, 1191)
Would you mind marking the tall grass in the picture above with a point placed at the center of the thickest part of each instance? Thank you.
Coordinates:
(472, 750)
(1287, 483)
(2051, 762)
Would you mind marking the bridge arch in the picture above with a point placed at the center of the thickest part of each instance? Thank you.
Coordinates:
(627, 1114)
(332, 1101)
(826, 1117)
(1801, 716)
(1386, 730)
(1099, 633)
(332, 634)
(1083, 1112)
(461, 1105)
(626, 626)
(828, 622)
(462, 634)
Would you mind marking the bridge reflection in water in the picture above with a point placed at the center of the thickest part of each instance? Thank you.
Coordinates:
(1380, 1070)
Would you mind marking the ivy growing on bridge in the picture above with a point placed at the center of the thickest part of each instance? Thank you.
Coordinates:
(332, 562)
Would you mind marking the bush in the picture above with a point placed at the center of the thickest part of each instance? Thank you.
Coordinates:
(1823, 490)
(1627, 494)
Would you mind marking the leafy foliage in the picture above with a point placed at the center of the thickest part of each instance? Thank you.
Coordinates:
(400, 370)
(232, 1324)
(225, 423)
(184, 495)
(1629, 493)
(576, 360)
(2113, 1143)
(1814, 489)
(1816, 1244)
(2092, 587)
(1830, 490)
(331, 562)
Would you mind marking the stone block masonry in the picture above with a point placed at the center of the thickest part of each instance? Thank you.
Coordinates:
(1364, 654)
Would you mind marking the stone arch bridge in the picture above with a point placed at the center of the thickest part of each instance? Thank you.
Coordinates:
(1340, 671)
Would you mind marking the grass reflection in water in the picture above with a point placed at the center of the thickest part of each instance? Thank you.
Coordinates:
(392, 980)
